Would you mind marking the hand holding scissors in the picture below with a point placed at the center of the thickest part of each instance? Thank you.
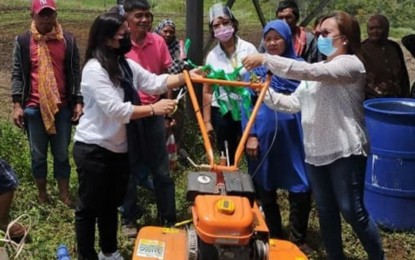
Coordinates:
(182, 93)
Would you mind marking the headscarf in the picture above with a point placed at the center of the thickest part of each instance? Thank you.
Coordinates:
(174, 46)
(277, 83)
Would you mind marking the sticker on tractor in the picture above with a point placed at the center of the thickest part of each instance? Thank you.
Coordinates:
(151, 248)
(171, 230)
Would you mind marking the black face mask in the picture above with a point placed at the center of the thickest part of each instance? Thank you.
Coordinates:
(125, 45)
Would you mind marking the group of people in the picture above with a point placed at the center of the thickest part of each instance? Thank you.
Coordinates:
(309, 137)
(315, 143)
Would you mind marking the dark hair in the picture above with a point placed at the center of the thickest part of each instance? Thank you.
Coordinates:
(349, 28)
(289, 4)
(131, 5)
(104, 27)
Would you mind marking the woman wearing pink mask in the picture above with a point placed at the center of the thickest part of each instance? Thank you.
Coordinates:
(221, 108)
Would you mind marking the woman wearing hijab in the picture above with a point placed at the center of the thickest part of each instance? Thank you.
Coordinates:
(167, 29)
(275, 150)
(221, 110)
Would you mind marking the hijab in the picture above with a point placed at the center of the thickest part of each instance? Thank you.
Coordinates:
(277, 83)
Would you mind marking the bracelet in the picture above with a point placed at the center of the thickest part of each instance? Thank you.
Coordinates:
(152, 110)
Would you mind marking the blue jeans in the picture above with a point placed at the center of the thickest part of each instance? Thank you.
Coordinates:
(157, 162)
(39, 141)
(338, 188)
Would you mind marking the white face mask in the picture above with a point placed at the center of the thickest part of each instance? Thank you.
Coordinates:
(224, 33)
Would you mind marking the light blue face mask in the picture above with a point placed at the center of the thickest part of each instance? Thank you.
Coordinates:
(325, 45)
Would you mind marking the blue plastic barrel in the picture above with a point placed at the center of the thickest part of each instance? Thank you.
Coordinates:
(390, 173)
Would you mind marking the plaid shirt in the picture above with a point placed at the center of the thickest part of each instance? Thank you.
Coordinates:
(177, 64)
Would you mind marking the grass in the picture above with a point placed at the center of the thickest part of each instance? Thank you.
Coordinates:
(53, 224)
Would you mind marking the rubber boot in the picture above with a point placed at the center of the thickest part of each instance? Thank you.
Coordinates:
(64, 194)
(43, 196)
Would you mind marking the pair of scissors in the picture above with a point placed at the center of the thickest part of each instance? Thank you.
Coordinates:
(182, 93)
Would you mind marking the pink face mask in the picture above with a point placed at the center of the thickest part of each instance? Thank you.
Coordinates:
(224, 33)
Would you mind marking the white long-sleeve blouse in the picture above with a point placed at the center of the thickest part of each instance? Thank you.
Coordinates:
(105, 112)
(330, 97)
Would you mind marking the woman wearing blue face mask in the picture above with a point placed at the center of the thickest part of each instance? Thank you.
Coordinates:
(221, 108)
(330, 98)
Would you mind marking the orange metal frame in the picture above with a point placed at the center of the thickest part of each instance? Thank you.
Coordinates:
(208, 146)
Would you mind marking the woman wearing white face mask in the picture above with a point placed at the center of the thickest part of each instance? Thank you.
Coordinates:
(221, 109)
(330, 97)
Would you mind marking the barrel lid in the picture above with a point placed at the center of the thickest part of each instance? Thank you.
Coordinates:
(394, 106)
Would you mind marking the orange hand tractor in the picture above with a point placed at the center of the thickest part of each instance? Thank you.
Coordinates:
(226, 221)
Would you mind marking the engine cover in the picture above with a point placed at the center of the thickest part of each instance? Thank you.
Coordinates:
(223, 220)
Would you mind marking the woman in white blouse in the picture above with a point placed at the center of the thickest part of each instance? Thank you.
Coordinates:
(109, 130)
(330, 98)
(221, 107)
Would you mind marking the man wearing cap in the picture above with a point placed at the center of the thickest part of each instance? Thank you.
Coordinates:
(151, 52)
(46, 94)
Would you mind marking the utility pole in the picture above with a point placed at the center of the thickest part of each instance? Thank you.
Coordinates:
(194, 31)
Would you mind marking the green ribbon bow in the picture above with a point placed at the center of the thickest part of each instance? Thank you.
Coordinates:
(235, 104)
(230, 91)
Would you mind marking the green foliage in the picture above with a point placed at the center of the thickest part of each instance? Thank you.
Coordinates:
(14, 149)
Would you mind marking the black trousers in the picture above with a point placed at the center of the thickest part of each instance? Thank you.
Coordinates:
(226, 129)
(300, 206)
(158, 162)
(103, 177)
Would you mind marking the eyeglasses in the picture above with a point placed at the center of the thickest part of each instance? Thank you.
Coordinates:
(325, 33)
